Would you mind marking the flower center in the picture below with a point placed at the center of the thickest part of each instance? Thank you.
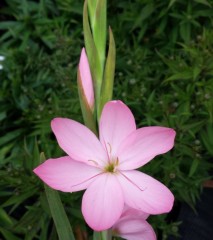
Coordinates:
(111, 167)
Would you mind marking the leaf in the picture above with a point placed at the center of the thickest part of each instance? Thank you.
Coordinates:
(184, 75)
(142, 31)
(107, 86)
(207, 138)
(9, 24)
(3, 115)
(204, 2)
(8, 235)
(18, 199)
(5, 220)
(5, 150)
(33, 219)
(144, 14)
(150, 99)
(185, 31)
(196, 72)
(59, 216)
(195, 126)
(10, 136)
(162, 25)
(193, 167)
(92, 54)
(203, 13)
(171, 3)
(92, 5)
(99, 30)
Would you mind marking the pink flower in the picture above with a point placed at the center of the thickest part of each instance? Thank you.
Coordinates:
(132, 225)
(105, 168)
(86, 79)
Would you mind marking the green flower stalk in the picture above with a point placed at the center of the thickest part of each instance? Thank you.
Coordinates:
(97, 15)
(102, 68)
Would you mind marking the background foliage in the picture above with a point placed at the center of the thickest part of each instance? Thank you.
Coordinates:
(164, 73)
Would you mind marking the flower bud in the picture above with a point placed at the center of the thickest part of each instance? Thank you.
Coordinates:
(85, 79)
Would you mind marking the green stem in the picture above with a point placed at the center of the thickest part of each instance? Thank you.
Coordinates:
(103, 235)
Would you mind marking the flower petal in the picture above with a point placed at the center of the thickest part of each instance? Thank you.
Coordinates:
(116, 123)
(144, 193)
(66, 175)
(86, 78)
(143, 145)
(78, 141)
(134, 228)
(103, 202)
(129, 212)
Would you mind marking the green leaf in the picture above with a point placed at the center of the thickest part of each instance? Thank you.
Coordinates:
(207, 138)
(171, 3)
(184, 75)
(8, 235)
(92, 54)
(3, 115)
(144, 14)
(9, 24)
(92, 5)
(204, 13)
(185, 31)
(35, 155)
(195, 126)
(5, 220)
(18, 199)
(193, 167)
(196, 72)
(59, 216)
(99, 31)
(10, 136)
(204, 2)
(162, 25)
(4, 152)
(107, 86)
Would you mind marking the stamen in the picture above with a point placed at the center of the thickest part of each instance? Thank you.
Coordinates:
(110, 148)
(107, 151)
(133, 183)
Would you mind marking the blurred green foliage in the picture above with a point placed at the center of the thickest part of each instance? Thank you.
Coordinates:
(164, 73)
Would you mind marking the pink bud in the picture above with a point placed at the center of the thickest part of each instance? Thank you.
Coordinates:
(86, 78)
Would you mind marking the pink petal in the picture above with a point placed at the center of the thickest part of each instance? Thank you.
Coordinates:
(143, 145)
(78, 141)
(116, 123)
(129, 212)
(134, 228)
(103, 202)
(65, 174)
(144, 193)
(86, 78)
